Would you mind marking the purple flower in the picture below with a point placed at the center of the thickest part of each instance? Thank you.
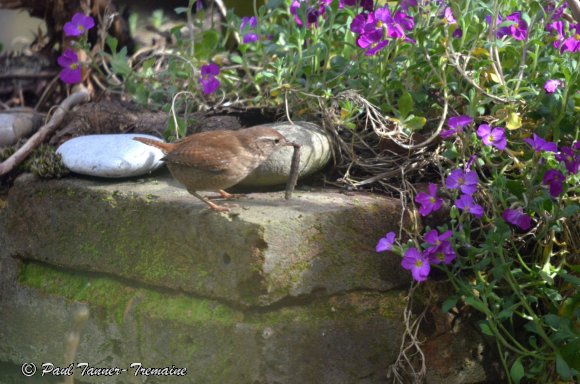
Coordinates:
(208, 79)
(250, 38)
(538, 144)
(429, 201)
(458, 33)
(406, 21)
(359, 23)
(518, 30)
(417, 263)
(570, 160)
(518, 218)
(386, 243)
(576, 146)
(314, 9)
(367, 5)
(247, 27)
(375, 28)
(443, 253)
(406, 4)
(466, 181)
(374, 48)
(251, 22)
(434, 238)
(370, 34)
(466, 203)
(71, 73)
(78, 25)
(456, 123)
(350, 3)
(572, 43)
(556, 27)
(556, 12)
(554, 179)
(396, 24)
(494, 137)
(550, 86)
(448, 16)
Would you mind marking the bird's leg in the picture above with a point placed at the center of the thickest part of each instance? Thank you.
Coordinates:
(224, 195)
(212, 206)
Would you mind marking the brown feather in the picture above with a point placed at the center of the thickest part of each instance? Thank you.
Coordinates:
(165, 147)
(209, 151)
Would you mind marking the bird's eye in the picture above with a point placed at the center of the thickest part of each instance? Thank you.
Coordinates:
(276, 141)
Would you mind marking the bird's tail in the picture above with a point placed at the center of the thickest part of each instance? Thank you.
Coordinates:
(165, 147)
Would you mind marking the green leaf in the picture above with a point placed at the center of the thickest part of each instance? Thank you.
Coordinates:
(451, 153)
(133, 21)
(516, 187)
(472, 301)
(414, 123)
(571, 356)
(517, 371)
(449, 303)
(119, 63)
(485, 328)
(570, 279)
(235, 58)
(570, 210)
(563, 368)
(338, 63)
(405, 104)
(112, 43)
(208, 44)
(180, 10)
(505, 314)
(454, 212)
(514, 121)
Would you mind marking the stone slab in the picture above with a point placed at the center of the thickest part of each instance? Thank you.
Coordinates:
(350, 338)
(150, 231)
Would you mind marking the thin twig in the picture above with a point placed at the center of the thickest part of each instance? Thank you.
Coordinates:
(174, 114)
(287, 109)
(454, 61)
(409, 342)
(79, 97)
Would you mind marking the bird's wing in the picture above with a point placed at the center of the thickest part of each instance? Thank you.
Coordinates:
(208, 151)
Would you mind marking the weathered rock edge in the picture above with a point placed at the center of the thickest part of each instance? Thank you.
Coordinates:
(152, 232)
(349, 338)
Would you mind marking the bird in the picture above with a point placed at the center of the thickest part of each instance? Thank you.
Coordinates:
(217, 160)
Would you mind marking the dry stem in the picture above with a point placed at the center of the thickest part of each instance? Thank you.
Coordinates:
(81, 96)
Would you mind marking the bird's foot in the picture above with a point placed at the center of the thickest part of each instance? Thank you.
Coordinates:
(217, 208)
(228, 196)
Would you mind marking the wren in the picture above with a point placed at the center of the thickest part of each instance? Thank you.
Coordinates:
(216, 160)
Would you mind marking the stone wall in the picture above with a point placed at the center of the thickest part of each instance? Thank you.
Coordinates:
(274, 292)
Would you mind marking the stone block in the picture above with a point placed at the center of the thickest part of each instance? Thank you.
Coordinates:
(350, 338)
(152, 232)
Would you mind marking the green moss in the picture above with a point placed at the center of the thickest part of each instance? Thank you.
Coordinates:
(115, 298)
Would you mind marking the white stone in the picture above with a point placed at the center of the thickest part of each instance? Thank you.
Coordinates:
(110, 155)
(315, 153)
